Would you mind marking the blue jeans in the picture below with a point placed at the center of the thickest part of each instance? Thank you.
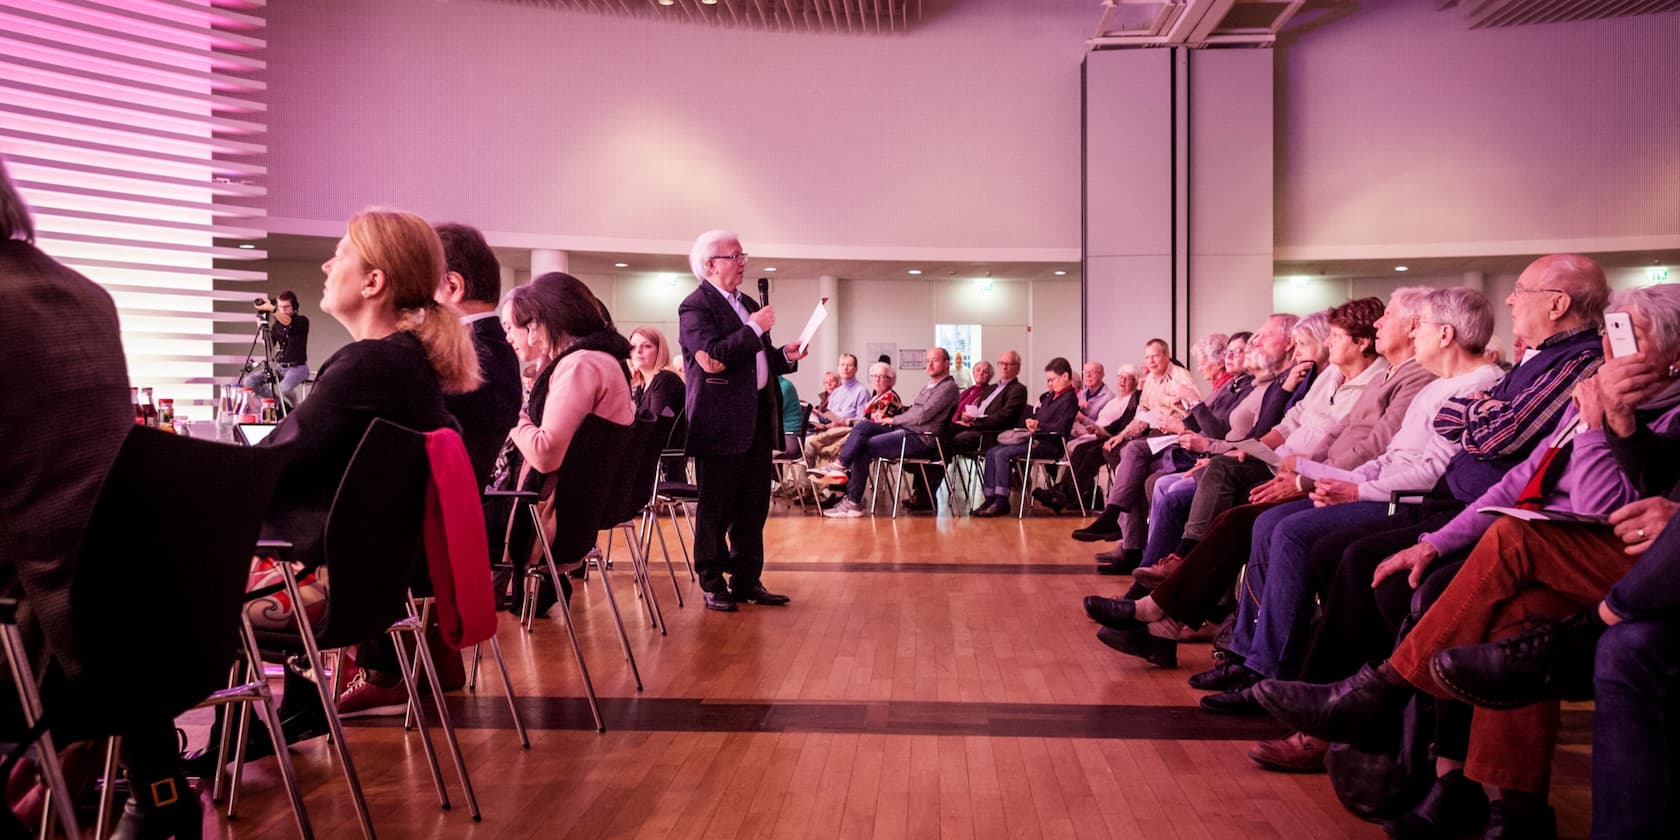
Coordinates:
(1168, 511)
(1275, 607)
(291, 376)
(1636, 741)
(870, 440)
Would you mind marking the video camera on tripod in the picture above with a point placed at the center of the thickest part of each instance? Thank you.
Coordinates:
(266, 306)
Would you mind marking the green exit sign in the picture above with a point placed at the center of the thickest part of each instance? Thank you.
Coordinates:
(1656, 275)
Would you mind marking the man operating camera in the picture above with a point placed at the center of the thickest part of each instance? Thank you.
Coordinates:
(290, 333)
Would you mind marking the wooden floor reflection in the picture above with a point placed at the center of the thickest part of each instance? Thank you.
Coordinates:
(933, 678)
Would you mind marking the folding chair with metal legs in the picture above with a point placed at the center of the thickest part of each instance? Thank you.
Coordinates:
(638, 569)
(650, 527)
(52, 771)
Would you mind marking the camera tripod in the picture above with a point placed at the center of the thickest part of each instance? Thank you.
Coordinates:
(270, 369)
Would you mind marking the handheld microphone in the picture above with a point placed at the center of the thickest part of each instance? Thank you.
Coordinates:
(763, 291)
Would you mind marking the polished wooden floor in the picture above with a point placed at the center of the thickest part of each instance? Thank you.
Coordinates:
(934, 677)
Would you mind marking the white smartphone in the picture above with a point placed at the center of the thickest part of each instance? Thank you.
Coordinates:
(1619, 327)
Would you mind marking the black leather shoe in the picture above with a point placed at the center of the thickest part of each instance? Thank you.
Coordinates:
(1228, 675)
(1049, 498)
(1550, 661)
(757, 594)
(1455, 807)
(1162, 653)
(1098, 532)
(1238, 703)
(919, 503)
(164, 808)
(720, 601)
(1362, 710)
(992, 508)
(1506, 823)
(1117, 613)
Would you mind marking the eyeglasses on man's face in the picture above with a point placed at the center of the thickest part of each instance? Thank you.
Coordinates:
(1545, 291)
(739, 257)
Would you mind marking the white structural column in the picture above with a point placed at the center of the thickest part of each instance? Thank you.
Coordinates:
(544, 260)
(825, 345)
(1177, 196)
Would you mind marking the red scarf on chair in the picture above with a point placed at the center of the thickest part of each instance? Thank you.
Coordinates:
(457, 552)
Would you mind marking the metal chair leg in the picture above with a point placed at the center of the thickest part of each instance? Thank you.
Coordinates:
(328, 704)
(671, 509)
(507, 687)
(52, 771)
(639, 562)
(444, 721)
(107, 799)
(652, 517)
(264, 702)
(571, 631)
(407, 668)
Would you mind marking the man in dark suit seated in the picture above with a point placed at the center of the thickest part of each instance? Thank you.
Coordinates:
(734, 420)
(473, 285)
(1002, 409)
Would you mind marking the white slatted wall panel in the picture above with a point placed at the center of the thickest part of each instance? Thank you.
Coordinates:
(135, 130)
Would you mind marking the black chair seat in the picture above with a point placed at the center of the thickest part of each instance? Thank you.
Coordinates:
(679, 490)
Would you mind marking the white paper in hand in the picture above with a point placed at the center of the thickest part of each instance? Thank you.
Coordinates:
(1159, 443)
(818, 315)
(1260, 452)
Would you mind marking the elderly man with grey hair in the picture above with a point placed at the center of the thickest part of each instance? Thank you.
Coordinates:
(734, 420)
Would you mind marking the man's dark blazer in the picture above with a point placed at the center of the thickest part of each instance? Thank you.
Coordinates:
(62, 431)
(723, 407)
(1005, 411)
(489, 412)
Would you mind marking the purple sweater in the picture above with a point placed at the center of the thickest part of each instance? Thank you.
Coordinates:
(1593, 482)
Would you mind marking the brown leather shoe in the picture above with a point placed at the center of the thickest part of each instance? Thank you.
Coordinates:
(1155, 575)
(1295, 753)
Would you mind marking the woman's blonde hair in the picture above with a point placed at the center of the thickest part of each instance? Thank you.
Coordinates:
(661, 353)
(407, 250)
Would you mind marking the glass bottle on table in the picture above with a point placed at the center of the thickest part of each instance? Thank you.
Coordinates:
(248, 406)
(166, 415)
(139, 413)
(148, 408)
(270, 410)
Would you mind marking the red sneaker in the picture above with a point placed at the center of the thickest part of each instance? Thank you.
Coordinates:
(362, 698)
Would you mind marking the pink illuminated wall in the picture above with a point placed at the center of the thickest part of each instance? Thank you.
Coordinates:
(962, 135)
(1398, 127)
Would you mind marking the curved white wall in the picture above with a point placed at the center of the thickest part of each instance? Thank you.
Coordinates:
(589, 131)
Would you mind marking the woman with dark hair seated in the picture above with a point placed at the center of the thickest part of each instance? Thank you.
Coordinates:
(1046, 429)
(408, 351)
(557, 325)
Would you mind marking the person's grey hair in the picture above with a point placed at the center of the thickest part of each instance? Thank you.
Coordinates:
(15, 221)
(1127, 370)
(1407, 302)
(1582, 279)
(1287, 319)
(1209, 348)
(883, 367)
(1660, 304)
(1467, 311)
(705, 247)
(1315, 326)
(982, 364)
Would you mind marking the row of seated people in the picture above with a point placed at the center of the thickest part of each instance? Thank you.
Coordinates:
(427, 352)
(990, 419)
(1411, 411)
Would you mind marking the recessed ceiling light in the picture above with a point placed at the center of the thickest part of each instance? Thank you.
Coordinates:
(709, 2)
(1061, 274)
(1401, 268)
(247, 245)
(769, 268)
(667, 2)
(915, 271)
(621, 265)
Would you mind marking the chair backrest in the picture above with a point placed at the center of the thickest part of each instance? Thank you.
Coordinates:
(373, 531)
(630, 485)
(595, 460)
(161, 579)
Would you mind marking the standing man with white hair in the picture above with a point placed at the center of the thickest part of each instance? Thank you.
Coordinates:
(734, 420)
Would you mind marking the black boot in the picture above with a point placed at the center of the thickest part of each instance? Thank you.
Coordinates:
(1139, 642)
(1049, 498)
(1106, 528)
(159, 809)
(1508, 821)
(1551, 661)
(1362, 710)
(1455, 807)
